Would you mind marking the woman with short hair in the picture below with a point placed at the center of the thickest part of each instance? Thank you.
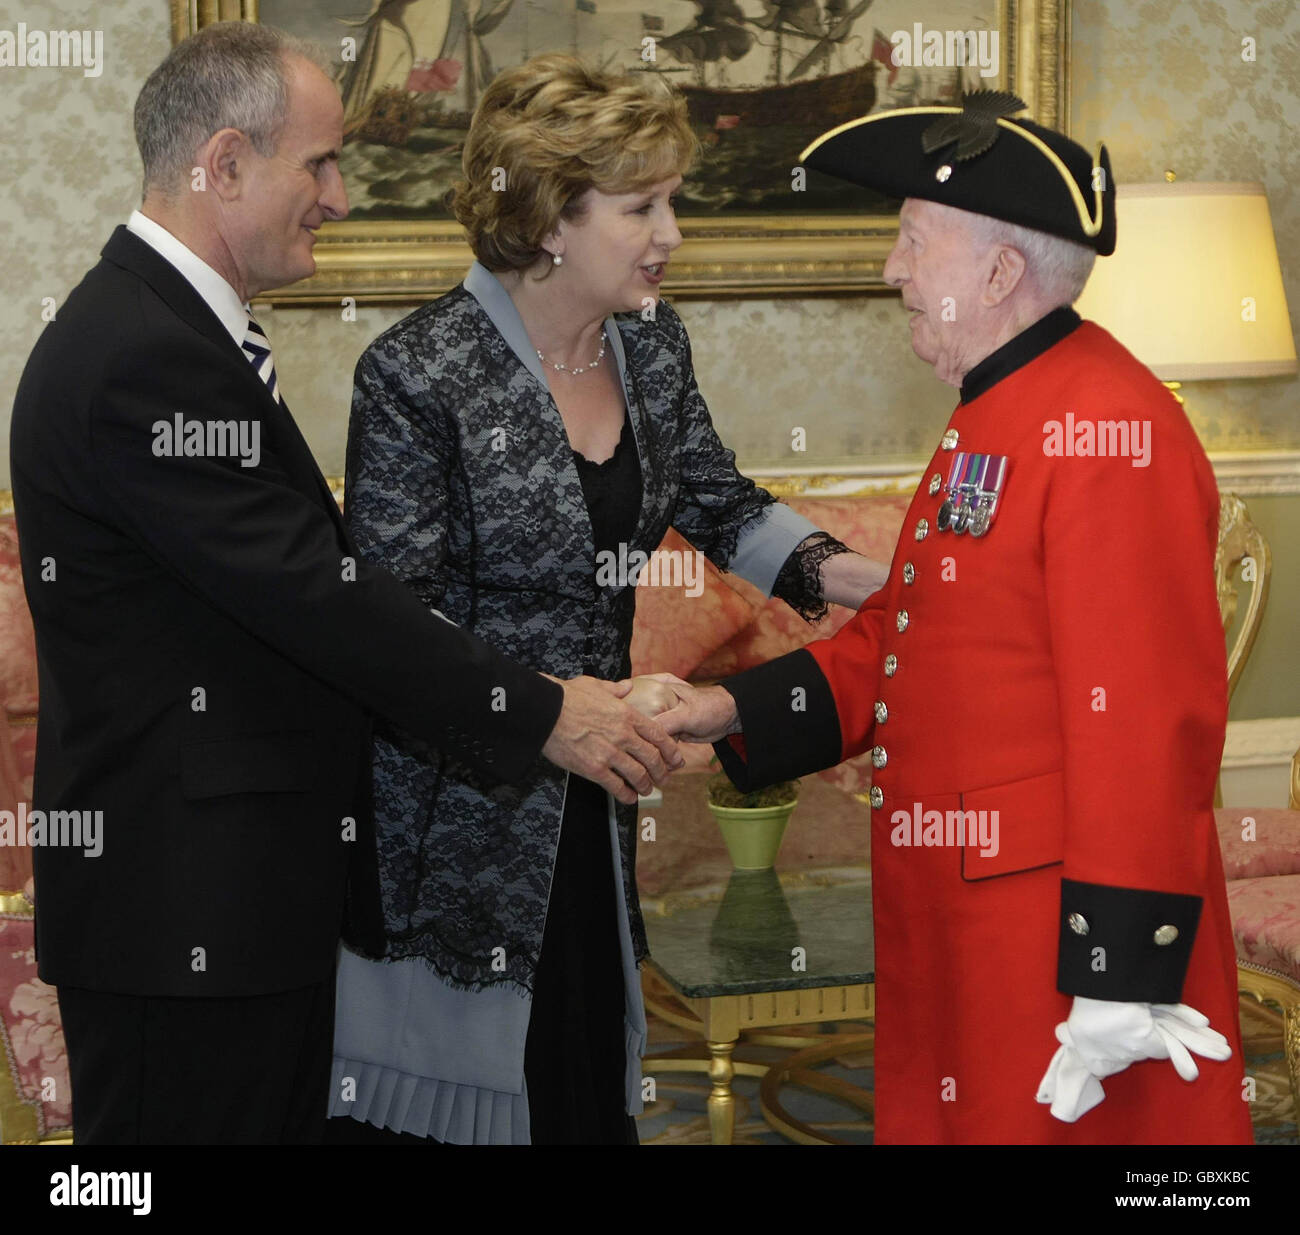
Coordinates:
(540, 414)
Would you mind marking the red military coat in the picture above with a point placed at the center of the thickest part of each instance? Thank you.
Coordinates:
(1065, 670)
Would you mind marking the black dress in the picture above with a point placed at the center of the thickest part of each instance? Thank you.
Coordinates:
(575, 1056)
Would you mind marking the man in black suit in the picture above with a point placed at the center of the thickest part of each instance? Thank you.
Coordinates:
(210, 647)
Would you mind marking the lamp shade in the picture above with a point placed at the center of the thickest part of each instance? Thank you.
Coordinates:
(1194, 289)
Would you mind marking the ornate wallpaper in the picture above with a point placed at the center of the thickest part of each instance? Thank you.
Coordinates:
(1163, 83)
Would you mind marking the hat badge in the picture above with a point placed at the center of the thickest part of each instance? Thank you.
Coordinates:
(974, 128)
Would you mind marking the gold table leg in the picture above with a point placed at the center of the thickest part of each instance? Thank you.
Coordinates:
(722, 1102)
(721, 1020)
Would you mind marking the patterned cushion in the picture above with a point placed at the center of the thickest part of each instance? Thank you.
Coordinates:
(675, 631)
(17, 701)
(1275, 849)
(37, 1101)
(1266, 921)
(870, 525)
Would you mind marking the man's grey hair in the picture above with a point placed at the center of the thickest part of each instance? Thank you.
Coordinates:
(1058, 267)
(230, 75)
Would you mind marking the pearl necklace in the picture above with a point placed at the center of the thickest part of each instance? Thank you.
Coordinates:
(560, 368)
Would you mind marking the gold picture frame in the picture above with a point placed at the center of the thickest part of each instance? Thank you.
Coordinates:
(405, 262)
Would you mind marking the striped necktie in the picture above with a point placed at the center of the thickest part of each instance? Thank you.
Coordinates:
(257, 347)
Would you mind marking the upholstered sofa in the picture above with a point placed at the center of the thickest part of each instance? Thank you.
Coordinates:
(1261, 861)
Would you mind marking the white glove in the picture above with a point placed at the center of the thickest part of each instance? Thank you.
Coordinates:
(1068, 1085)
(1102, 1037)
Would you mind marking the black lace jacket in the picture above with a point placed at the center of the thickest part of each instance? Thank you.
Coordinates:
(461, 481)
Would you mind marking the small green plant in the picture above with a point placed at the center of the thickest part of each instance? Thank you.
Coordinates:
(723, 793)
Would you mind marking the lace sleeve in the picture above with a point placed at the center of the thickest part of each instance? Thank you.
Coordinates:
(799, 582)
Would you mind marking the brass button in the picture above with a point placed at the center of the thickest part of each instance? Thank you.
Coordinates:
(902, 620)
(922, 528)
(877, 797)
(879, 757)
(943, 173)
(936, 483)
(882, 712)
(1078, 924)
(949, 440)
(1165, 935)
(891, 665)
(909, 573)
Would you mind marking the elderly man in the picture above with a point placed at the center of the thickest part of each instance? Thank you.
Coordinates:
(211, 648)
(1041, 681)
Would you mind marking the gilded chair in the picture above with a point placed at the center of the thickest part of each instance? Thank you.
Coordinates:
(1242, 558)
(1261, 846)
(1261, 860)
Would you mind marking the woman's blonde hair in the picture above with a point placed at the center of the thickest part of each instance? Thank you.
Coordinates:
(547, 131)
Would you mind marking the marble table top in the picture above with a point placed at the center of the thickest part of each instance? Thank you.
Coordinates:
(742, 937)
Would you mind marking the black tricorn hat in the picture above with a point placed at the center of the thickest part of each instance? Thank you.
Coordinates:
(976, 158)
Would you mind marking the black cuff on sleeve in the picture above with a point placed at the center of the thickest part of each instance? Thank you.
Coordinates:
(787, 734)
(522, 742)
(506, 743)
(1125, 943)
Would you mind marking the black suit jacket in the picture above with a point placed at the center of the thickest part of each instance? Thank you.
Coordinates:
(210, 651)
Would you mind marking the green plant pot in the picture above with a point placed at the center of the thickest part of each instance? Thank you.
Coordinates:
(753, 833)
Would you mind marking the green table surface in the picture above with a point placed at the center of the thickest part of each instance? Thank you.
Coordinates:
(739, 938)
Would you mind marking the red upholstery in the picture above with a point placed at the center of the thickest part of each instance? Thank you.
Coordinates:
(1275, 849)
(1261, 859)
(37, 1098)
(1266, 921)
(38, 1102)
(18, 700)
(675, 632)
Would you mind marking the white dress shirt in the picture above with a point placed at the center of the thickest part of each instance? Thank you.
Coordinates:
(217, 294)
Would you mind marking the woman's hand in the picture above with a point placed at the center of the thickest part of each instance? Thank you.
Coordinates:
(691, 713)
(849, 578)
(650, 696)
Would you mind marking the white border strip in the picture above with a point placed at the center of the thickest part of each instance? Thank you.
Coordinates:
(1269, 742)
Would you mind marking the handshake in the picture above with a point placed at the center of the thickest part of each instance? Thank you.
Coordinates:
(624, 735)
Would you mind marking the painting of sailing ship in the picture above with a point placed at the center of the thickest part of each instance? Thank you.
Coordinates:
(761, 78)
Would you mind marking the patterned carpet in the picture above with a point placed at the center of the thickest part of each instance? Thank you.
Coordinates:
(679, 1115)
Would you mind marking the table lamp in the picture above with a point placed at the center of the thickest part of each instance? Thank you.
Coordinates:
(1194, 289)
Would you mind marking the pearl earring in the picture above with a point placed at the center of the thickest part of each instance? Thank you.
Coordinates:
(556, 259)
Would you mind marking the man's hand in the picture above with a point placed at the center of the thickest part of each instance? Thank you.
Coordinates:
(1102, 1037)
(601, 737)
(702, 713)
